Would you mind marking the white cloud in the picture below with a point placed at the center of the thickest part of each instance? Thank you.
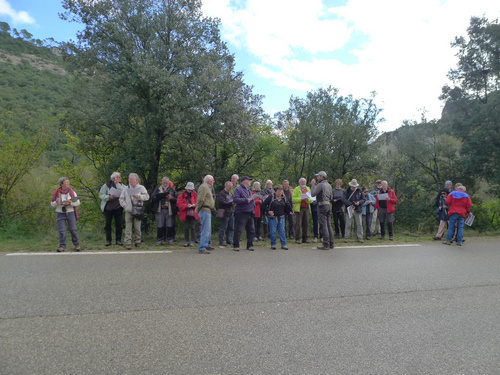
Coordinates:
(20, 17)
(405, 56)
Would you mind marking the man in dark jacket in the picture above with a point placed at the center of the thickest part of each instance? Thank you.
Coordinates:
(243, 214)
(354, 200)
(338, 209)
(225, 200)
(323, 193)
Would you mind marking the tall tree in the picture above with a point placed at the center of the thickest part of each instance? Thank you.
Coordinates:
(326, 131)
(155, 86)
(472, 109)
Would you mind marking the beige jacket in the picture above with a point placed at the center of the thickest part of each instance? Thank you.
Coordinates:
(126, 200)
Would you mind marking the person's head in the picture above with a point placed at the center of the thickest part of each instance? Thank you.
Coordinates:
(165, 182)
(457, 185)
(228, 186)
(302, 182)
(286, 184)
(269, 184)
(448, 185)
(338, 183)
(321, 176)
(353, 185)
(384, 185)
(133, 179)
(365, 190)
(461, 187)
(256, 186)
(246, 181)
(234, 179)
(445, 192)
(209, 180)
(278, 190)
(378, 183)
(189, 187)
(64, 183)
(116, 177)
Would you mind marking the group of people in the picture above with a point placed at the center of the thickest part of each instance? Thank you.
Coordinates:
(278, 211)
(453, 206)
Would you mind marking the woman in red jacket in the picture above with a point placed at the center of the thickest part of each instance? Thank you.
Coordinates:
(186, 202)
(459, 204)
(386, 209)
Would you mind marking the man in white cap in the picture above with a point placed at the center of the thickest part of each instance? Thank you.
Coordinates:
(323, 193)
(354, 200)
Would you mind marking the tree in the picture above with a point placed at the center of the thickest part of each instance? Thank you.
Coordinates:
(472, 109)
(329, 132)
(156, 89)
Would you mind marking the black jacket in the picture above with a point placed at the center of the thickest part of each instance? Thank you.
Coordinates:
(357, 196)
(279, 208)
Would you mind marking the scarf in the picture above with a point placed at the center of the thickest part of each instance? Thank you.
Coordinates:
(60, 191)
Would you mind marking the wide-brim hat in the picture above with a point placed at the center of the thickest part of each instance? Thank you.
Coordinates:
(354, 183)
(189, 186)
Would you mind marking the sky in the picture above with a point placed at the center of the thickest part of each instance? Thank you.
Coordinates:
(399, 49)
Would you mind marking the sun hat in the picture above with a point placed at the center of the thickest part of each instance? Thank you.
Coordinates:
(189, 186)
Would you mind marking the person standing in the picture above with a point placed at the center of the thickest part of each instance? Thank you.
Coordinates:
(338, 209)
(289, 227)
(267, 191)
(243, 214)
(204, 207)
(375, 228)
(63, 199)
(368, 211)
(354, 200)
(111, 208)
(442, 212)
(257, 220)
(386, 208)
(323, 194)
(314, 214)
(275, 207)
(186, 203)
(459, 204)
(225, 200)
(127, 201)
(165, 208)
(301, 209)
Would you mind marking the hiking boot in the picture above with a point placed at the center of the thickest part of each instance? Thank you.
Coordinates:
(447, 242)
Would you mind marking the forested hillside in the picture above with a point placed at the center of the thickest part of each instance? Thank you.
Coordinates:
(146, 101)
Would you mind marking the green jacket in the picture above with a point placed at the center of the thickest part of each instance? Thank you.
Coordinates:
(297, 198)
(205, 201)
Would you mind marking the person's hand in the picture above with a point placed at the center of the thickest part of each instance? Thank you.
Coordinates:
(271, 213)
(135, 196)
(112, 196)
(66, 203)
(58, 200)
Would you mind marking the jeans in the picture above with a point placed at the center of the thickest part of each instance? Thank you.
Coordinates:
(62, 218)
(243, 220)
(279, 224)
(206, 229)
(325, 227)
(132, 229)
(108, 217)
(189, 227)
(339, 222)
(358, 218)
(314, 214)
(226, 229)
(456, 218)
(385, 216)
(368, 220)
(302, 222)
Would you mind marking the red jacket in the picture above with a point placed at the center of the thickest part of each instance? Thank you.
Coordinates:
(257, 205)
(390, 202)
(459, 203)
(182, 204)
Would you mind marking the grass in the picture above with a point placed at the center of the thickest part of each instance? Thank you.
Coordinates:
(92, 241)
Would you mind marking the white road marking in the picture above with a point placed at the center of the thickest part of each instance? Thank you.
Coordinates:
(371, 246)
(98, 252)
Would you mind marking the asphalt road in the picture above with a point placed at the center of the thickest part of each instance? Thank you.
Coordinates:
(431, 309)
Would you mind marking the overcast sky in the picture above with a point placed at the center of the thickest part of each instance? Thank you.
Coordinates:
(397, 48)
